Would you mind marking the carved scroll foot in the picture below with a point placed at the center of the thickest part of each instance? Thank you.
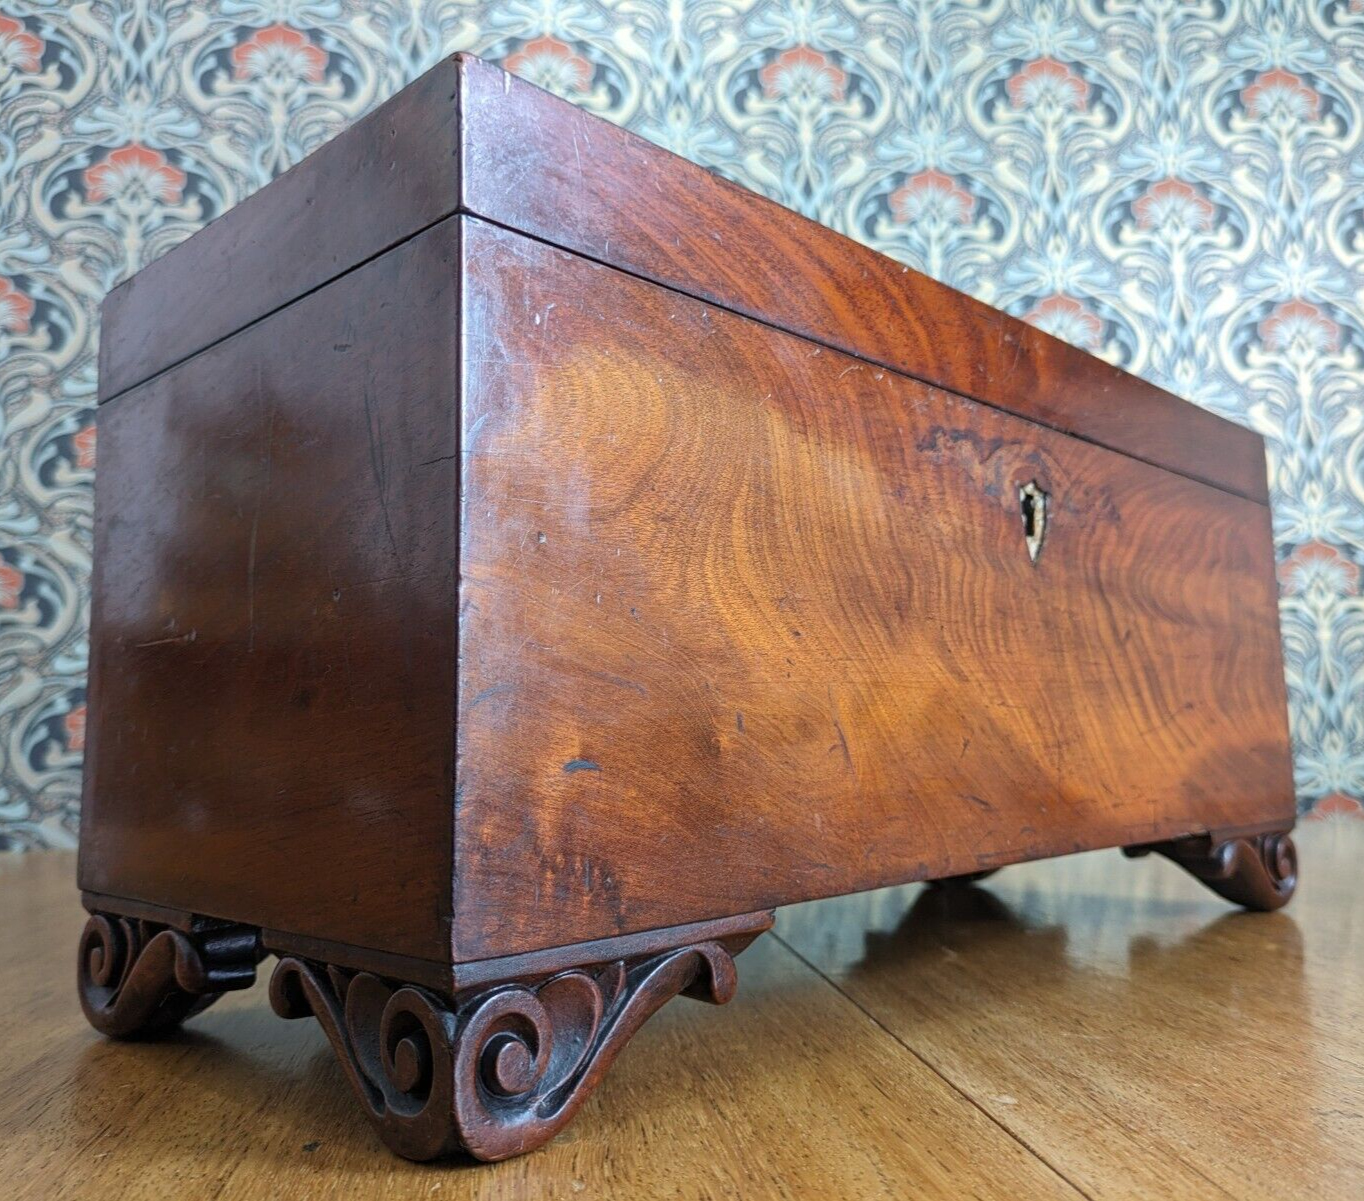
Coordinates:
(1259, 871)
(137, 979)
(499, 1072)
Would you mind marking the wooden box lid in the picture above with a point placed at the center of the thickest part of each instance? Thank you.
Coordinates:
(468, 138)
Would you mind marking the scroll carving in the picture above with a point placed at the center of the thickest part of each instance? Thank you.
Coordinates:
(1258, 871)
(498, 1073)
(137, 979)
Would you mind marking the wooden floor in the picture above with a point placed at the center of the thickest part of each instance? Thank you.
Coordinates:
(1084, 1027)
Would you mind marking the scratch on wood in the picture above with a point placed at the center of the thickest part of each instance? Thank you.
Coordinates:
(255, 521)
(471, 435)
(842, 738)
(488, 693)
(577, 765)
(251, 581)
(843, 742)
(374, 428)
(190, 637)
(619, 682)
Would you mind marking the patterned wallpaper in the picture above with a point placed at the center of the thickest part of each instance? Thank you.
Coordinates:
(1176, 185)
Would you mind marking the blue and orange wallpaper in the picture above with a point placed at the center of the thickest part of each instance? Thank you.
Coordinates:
(1175, 185)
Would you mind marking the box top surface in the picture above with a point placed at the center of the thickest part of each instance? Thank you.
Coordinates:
(469, 138)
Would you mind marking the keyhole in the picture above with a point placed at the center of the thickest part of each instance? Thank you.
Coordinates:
(1032, 501)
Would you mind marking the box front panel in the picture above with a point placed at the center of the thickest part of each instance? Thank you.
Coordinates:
(746, 621)
(273, 641)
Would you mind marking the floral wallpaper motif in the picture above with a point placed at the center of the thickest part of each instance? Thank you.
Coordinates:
(1176, 185)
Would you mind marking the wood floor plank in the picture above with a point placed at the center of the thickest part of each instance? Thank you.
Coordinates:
(1139, 1034)
(789, 1091)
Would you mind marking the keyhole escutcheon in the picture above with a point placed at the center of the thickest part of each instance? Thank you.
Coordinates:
(1032, 502)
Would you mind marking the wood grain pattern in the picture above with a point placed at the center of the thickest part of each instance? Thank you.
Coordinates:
(272, 672)
(1114, 1016)
(546, 168)
(746, 621)
(466, 137)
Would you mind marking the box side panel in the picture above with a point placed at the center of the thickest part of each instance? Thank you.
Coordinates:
(392, 173)
(746, 621)
(538, 164)
(274, 634)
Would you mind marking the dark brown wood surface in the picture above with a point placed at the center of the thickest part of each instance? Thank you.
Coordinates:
(747, 621)
(743, 619)
(542, 166)
(468, 137)
(272, 674)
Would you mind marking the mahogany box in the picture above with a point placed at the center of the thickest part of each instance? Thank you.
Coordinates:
(524, 559)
